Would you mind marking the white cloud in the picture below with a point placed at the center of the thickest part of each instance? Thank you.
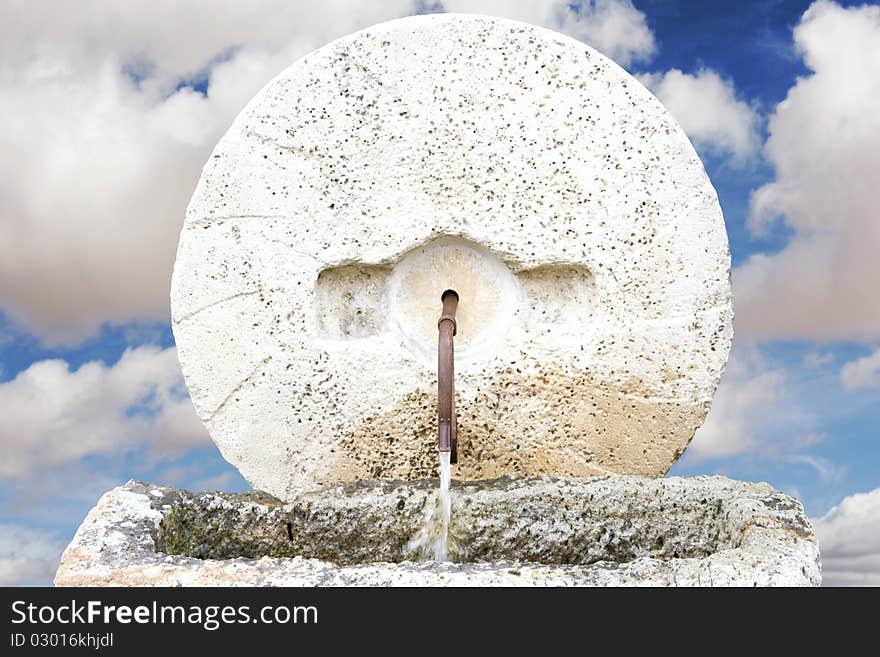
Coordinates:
(759, 409)
(97, 166)
(849, 541)
(825, 146)
(53, 416)
(829, 473)
(708, 110)
(28, 557)
(613, 27)
(862, 373)
(747, 395)
(169, 39)
(816, 360)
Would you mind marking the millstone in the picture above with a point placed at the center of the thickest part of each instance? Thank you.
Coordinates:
(513, 164)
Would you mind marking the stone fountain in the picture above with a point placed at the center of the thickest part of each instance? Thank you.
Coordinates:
(575, 221)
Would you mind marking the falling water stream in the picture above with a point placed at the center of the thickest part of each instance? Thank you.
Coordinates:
(432, 540)
(444, 505)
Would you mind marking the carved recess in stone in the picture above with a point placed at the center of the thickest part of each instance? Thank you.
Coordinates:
(511, 163)
(608, 531)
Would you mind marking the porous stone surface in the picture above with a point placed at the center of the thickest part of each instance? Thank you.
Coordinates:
(702, 531)
(511, 163)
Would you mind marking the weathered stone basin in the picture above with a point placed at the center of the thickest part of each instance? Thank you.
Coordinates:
(510, 531)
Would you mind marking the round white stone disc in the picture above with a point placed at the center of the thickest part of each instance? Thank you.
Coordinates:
(513, 164)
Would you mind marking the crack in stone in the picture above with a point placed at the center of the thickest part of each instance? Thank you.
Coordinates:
(192, 313)
(287, 245)
(238, 387)
(301, 150)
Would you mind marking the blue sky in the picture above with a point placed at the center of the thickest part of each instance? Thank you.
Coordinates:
(105, 111)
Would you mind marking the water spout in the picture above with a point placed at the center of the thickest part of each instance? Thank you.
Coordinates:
(447, 424)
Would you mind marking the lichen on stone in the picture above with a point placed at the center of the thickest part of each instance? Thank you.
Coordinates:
(511, 530)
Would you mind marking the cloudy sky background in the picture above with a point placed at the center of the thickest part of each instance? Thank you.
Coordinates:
(108, 111)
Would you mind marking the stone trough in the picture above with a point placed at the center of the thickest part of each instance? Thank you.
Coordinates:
(709, 531)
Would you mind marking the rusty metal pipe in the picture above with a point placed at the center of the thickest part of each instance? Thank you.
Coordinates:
(447, 424)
